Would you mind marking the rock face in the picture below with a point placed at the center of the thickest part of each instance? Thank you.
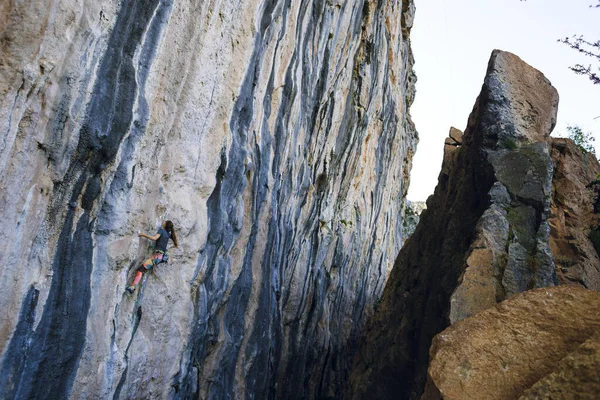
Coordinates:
(572, 214)
(575, 376)
(489, 230)
(411, 217)
(275, 135)
(541, 344)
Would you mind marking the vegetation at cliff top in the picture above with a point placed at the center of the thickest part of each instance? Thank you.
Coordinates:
(585, 140)
(589, 49)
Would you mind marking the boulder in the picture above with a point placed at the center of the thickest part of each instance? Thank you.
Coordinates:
(543, 343)
(575, 376)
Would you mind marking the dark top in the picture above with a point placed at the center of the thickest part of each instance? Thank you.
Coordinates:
(161, 242)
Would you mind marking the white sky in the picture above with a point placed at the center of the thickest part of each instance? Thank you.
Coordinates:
(452, 41)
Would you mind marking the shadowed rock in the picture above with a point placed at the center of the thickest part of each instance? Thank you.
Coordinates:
(483, 238)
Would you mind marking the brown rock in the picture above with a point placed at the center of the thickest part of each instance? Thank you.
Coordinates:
(450, 142)
(456, 135)
(502, 352)
(572, 215)
(451, 145)
(577, 375)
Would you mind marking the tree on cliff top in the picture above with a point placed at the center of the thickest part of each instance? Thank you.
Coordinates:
(587, 48)
(585, 140)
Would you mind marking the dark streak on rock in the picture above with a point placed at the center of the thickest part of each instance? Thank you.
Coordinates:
(17, 351)
(51, 361)
(309, 368)
(137, 317)
(231, 182)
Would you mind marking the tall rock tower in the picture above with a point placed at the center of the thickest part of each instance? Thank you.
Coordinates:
(511, 212)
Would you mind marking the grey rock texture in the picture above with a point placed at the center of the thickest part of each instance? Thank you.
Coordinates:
(483, 238)
(276, 136)
(410, 219)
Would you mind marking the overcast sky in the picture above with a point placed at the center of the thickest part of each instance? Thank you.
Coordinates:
(452, 41)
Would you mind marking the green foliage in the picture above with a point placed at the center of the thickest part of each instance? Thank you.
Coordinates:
(534, 263)
(409, 212)
(588, 48)
(509, 143)
(585, 140)
(502, 261)
(565, 261)
(519, 227)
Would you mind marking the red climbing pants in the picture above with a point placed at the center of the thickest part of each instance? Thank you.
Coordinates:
(147, 266)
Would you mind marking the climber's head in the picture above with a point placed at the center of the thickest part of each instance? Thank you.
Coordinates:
(168, 226)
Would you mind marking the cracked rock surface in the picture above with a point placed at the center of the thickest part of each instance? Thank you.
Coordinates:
(276, 135)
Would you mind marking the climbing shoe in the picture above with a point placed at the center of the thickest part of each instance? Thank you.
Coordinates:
(130, 289)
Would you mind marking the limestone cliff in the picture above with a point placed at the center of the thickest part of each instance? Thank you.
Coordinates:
(275, 134)
(510, 213)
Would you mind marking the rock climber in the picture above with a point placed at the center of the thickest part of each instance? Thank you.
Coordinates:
(166, 232)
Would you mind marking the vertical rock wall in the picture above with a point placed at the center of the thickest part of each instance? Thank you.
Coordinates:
(574, 216)
(275, 135)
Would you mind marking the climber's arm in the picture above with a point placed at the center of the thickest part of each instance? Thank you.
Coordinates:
(155, 237)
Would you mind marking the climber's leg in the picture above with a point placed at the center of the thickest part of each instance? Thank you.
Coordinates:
(146, 266)
(157, 257)
(137, 279)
